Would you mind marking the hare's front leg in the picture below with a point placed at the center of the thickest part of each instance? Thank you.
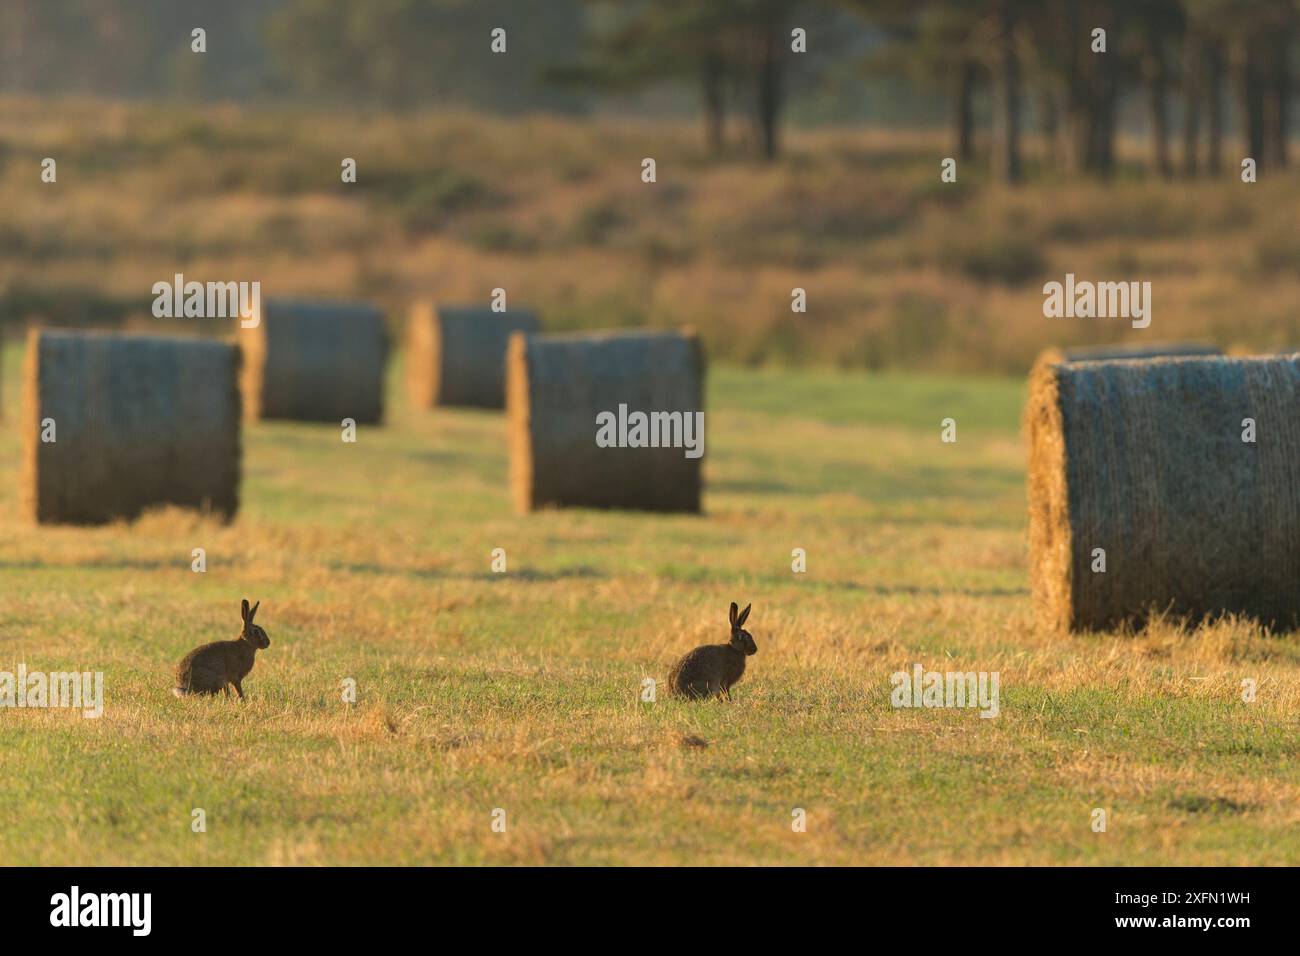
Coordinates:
(225, 689)
(239, 689)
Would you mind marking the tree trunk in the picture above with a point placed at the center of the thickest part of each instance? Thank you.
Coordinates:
(1250, 95)
(1214, 107)
(964, 112)
(714, 104)
(1108, 97)
(1074, 105)
(1104, 162)
(769, 90)
(1092, 89)
(1157, 78)
(1193, 97)
(1099, 144)
(1006, 112)
(1276, 95)
(1050, 125)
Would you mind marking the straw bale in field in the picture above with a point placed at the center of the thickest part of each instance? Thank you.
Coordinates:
(136, 421)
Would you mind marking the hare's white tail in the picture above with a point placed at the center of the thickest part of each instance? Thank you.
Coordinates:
(180, 692)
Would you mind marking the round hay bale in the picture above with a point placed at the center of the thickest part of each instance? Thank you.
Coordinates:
(558, 385)
(457, 355)
(314, 362)
(1111, 353)
(1146, 460)
(138, 421)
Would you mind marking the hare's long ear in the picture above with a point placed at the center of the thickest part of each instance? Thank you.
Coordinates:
(259, 604)
(734, 608)
(243, 610)
(740, 621)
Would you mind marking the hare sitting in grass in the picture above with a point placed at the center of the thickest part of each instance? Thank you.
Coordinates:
(216, 666)
(712, 669)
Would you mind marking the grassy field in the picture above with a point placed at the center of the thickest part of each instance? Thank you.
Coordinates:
(520, 690)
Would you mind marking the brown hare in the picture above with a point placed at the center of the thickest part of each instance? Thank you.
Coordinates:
(712, 669)
(216, 666)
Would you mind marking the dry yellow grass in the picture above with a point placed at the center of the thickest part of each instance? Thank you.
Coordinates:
(900, 269)
(521, 691)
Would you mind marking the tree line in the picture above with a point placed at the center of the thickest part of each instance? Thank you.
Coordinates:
(1076, 61)
(1069, 64)
(1071, 71)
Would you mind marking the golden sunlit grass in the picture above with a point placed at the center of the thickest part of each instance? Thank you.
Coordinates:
(900, 269)
(522, 691)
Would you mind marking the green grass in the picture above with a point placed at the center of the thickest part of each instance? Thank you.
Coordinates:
(520, 691)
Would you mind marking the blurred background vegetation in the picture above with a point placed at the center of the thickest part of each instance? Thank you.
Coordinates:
(776, 169)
